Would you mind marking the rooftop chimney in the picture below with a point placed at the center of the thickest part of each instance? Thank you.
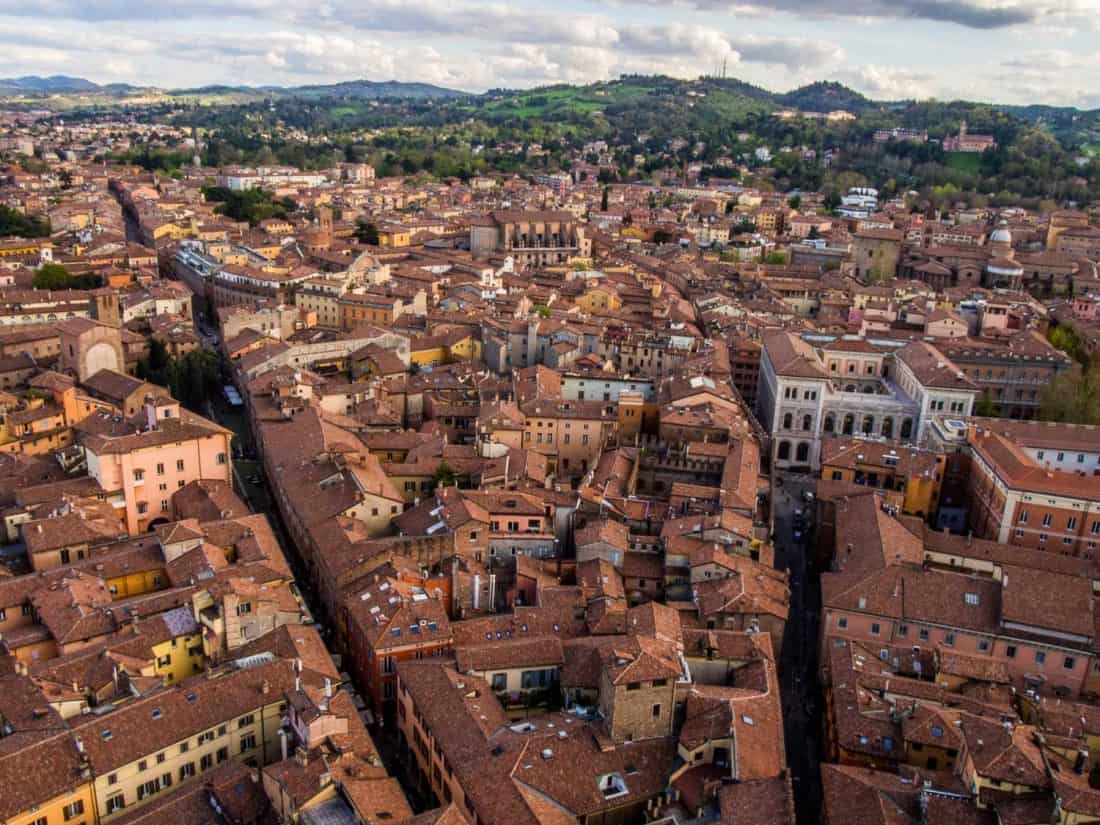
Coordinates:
(150, 415)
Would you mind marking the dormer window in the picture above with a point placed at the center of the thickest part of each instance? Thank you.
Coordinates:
(612, 785)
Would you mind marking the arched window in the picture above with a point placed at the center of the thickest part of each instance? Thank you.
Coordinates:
(887, 427)
(849, 424)
(807, 422)
(788, 419)
(907, 428)
(784, 453)
(830, 423)
(803, 453)
(868, 424)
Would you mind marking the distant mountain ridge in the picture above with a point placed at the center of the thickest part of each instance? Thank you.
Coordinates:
(826, 96)
(53, 83)
(820, 96)
(364, 89)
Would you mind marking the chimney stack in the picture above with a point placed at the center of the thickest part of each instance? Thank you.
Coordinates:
(150, 414)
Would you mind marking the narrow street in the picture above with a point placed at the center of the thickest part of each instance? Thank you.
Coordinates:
(798, 672)
(250, 483)
(133, 233)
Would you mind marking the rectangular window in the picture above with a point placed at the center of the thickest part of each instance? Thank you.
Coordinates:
(187, 771)
(1040, 657)
(1069, 663)
(1010, 651)
(160, 469)
(179, 465)
(875, 628)
(73, 809)
(115, 803)
(656, 711)
(248, 742)
(903, 630)
(1047, 520)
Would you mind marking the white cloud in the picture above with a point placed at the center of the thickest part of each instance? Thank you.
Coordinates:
(976, 14)
(888, 83)
(479, 44)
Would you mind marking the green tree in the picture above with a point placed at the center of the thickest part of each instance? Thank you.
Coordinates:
(985, 406)
(776, 256)
(1069, 341)
(55, 276)
(196, 378)
(252, 205)
(603, 200)
(191, 379)
(52, 276)
(444, 475)
(794, 201)
(24, 226)
(367, 233)
(1073, 396)
(158, 356)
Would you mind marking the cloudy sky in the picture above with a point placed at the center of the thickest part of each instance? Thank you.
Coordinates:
(1012, 51)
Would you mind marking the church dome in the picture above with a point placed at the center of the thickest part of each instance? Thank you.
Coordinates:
(1001, 234)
